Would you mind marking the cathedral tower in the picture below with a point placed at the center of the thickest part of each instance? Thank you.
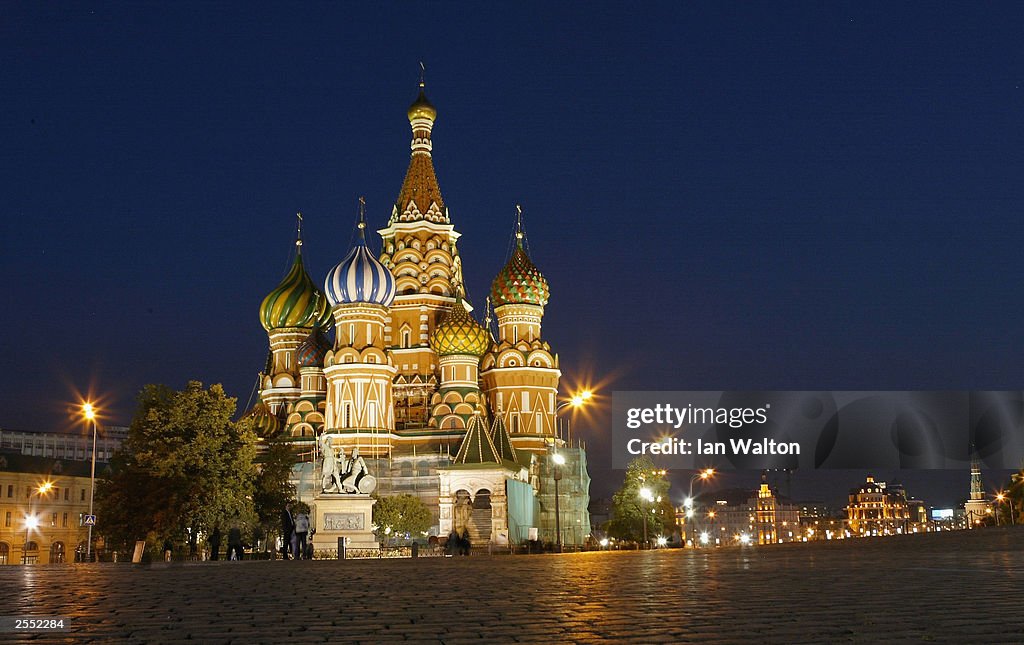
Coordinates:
(419, 247)
(289, 313)
(520, 373)
(459, 342)
(360, 370)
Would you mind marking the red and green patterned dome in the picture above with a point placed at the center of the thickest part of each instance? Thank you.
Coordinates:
(312, 351)
(458, 333)
(520, 282)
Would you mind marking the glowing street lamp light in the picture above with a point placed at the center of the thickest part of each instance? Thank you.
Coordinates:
(90, 414)
(662, 540)
(705, 537)
(1003, 497)
(31, 524)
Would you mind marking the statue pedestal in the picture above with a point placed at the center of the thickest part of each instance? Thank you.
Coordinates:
(338, 515)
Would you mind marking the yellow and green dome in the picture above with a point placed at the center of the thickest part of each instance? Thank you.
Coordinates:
(520, 282)
(458, 333)
(264, 423)
(296, 302)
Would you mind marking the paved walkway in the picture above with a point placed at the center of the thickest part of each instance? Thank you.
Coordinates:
(962, 587)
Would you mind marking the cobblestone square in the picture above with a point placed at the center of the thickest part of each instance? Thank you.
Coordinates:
(947, 587)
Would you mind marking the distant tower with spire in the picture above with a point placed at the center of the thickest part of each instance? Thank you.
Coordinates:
(977, 508)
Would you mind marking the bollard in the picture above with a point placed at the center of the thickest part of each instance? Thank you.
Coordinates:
(415, 550)
(341, 548)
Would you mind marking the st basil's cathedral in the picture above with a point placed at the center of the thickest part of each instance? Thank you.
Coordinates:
(459, 413)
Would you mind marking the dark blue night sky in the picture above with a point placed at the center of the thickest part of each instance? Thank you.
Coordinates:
(809, 196)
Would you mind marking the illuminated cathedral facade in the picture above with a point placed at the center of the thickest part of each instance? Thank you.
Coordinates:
(458, 412)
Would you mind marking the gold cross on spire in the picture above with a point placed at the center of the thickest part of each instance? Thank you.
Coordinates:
(423, 73)
(298, 234)
(519, 222)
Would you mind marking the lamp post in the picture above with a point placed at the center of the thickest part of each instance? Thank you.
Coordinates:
(31, 522)
(559, 461)
(703, 475)
(647, 496)
(90, 414)
(1003, 497)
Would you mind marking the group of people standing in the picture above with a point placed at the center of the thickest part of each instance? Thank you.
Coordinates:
(235, 549)
(295, 528)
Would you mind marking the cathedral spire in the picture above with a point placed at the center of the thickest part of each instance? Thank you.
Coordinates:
(362, 220)
(420, 197)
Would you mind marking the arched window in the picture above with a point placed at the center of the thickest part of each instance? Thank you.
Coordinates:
(406, 337)
(57, 553)
(5, 552)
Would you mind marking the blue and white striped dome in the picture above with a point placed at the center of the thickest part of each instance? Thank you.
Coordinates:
(360, 278)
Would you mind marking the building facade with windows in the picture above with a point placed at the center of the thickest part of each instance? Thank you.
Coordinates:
(42, 505)
(63, 446)
(877, 508)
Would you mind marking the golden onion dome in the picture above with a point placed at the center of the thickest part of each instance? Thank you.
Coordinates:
(296, 302)
(459, 333)
(520, 282)
(421, 108)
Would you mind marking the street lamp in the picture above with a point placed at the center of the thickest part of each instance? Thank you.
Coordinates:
(90, 414)
(575, 401)
(1003, 497)
(559, 461)
(647, 496)
(703, 475)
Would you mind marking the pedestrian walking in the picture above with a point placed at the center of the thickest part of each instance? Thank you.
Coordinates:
(235, 551)
(287, 528)
(301, 531)
(215, 543)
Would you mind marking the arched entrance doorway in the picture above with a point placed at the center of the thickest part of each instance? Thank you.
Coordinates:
(480, 522)
(57, 553)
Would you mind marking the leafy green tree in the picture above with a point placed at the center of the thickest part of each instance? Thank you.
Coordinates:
(401, 516)
(629, 506)
(271, 488)
(184, 468)
(1013, 502)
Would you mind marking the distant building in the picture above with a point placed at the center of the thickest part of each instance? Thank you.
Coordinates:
(59, 445)
(876, 508)
(42, 504)
(738, 515)
(977, 508)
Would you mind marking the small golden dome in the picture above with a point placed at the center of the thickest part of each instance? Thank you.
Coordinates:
(422, 108)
